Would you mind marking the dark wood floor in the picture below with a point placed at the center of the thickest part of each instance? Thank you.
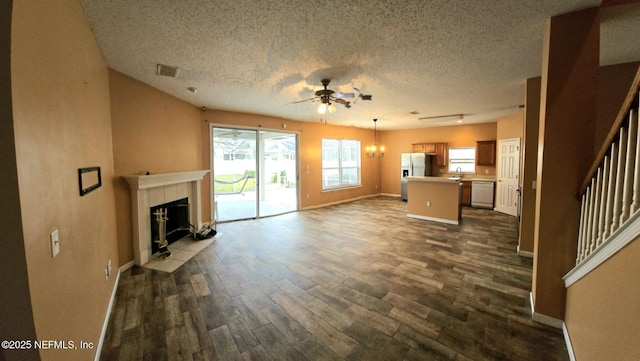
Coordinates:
(357, 281)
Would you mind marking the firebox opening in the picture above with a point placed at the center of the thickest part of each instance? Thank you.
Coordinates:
(178, 224)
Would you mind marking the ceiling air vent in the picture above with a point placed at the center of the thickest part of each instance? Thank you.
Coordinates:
(166, 70)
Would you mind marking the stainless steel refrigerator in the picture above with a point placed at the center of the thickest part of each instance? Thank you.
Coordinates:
(414, 164)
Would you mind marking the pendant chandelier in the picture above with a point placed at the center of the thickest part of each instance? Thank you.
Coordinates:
(371, 150)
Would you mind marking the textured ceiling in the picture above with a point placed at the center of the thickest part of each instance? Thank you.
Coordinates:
(426, 56)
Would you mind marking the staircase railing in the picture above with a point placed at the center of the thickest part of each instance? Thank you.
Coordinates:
(611, 191)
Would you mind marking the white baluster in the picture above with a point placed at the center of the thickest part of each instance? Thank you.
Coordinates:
(587, 218)
(617, 202)
(633, 117)
(603, 199)
(628, 171)
(596, 210)
(582, 228)
(592, 199)
(613, 165)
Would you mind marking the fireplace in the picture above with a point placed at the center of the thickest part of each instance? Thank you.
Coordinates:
(153, 190)
(177, 225)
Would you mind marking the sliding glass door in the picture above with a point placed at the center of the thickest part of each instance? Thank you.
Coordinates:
(254, 173)
(278, 190)
(234, 173)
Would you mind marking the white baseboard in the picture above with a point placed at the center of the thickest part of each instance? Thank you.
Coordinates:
(567, 341)
(339, 202)
(126, 266)
(105, 324)
(390, 195)
(544, 319)
(524, 253)
(433, 219)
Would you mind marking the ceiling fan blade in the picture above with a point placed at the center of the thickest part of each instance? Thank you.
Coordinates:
(343, 102)
(302, 101)
(345, 95)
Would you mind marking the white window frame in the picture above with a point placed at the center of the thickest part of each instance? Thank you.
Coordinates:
(340, 167)
(464, 157)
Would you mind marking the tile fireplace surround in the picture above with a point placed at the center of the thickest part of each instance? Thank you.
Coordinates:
(151, 190)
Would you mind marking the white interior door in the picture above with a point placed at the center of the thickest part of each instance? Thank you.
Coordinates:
(508, 172)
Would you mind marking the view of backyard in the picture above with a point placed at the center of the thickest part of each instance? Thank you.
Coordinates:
(248, 183)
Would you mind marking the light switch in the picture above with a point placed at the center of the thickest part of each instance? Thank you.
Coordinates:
(55, 243)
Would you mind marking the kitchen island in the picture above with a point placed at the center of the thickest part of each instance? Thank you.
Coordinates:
(434, 199)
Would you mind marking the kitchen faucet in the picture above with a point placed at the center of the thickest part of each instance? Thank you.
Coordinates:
(459, 170)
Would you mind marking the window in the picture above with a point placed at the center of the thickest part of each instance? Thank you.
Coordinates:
(340, 163)
(462, 158)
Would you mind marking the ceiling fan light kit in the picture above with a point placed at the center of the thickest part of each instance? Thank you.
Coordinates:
(324, 107)
(328, 98)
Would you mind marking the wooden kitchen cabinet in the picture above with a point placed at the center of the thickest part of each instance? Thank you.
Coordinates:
(424, 148)
(441, 154)
(429, 148)
(438, 149)
(486, 153)
(465, 197)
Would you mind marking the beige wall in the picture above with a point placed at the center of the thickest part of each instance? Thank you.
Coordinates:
(399, 141)
(511, 126)
(62, 122)
(152, 132)
(310, 140)
(603, 309)
(16, 313)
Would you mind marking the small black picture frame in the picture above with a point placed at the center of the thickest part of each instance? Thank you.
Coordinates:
(89, 179)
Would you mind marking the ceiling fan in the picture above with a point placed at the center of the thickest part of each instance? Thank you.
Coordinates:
(328, 97)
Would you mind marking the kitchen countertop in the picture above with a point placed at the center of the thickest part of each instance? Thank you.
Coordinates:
(434, 179)
(445, 179)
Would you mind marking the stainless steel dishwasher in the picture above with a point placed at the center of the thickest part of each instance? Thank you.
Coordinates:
(482, 194)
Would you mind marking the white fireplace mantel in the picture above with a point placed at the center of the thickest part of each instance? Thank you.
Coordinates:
(154, 189)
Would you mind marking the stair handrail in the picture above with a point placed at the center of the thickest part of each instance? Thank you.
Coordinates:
(615, 127)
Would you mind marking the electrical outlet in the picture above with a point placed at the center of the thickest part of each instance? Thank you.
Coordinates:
(428, 203)
(55, 243)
